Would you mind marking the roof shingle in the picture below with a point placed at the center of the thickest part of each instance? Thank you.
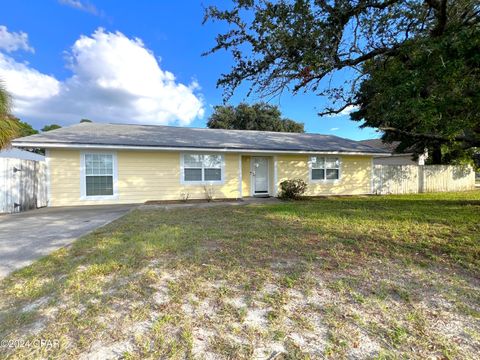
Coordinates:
(154, 136)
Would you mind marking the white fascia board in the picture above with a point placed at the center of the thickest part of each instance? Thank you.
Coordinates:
(197, 149)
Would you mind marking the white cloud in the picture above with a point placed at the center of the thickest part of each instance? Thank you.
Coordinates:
(79, 5)
(25, 83)
(13, 41)
(334, 129)
(114, 79)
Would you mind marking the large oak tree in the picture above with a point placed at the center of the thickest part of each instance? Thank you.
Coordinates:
(311, 46)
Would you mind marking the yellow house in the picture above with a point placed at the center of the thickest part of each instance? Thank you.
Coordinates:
(95, 163)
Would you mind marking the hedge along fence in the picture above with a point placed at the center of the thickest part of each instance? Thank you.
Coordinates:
(23, 185)
(405, 179)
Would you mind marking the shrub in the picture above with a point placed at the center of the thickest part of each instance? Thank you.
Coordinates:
(292, 189)
(185, 196)
(209, 192)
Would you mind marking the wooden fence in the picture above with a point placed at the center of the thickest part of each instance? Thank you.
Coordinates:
(405, 179)
(23, 185)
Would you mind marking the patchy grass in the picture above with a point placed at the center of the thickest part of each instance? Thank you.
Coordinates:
(358, 277)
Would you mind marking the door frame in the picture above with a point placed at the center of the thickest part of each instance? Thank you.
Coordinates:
(252, 178)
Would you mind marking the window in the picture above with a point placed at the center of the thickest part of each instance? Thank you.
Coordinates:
(98, 175)
(199, 168)
(324, 168)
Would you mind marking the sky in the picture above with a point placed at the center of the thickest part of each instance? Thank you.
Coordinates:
(128, 62)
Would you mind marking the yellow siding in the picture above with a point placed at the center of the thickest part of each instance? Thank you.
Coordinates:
(142, 176)
(64, 176)
(155, 175)
(271, 175)
(356, 175)
(245, 176)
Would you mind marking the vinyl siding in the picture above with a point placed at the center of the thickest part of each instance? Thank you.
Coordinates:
(155, 175)
(395, 160)
(142, 176)
(355, 178)
(246, 176)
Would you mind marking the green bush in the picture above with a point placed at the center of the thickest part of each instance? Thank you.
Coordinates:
(292, 189)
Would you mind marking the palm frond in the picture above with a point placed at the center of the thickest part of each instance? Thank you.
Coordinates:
(9, 127)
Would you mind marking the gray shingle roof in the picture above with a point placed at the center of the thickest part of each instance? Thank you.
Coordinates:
(386, 147)
(153, 136)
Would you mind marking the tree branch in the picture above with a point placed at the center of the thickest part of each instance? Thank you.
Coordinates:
(387, 51)
(440, 8)
(330, 111)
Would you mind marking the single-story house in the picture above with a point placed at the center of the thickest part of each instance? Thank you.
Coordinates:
(97, 163)
(404, 158)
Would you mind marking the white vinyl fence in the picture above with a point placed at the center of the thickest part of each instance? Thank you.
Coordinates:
(23, 185)
(405, 179)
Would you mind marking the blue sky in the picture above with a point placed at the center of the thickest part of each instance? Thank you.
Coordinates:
(53, 71)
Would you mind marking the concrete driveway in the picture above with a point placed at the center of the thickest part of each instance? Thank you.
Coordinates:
(27, 236)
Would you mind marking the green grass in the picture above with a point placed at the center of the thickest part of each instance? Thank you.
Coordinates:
(385, 277)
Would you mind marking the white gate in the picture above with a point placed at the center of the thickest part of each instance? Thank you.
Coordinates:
(23, 185)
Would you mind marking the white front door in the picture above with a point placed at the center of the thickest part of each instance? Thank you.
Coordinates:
(260, 175)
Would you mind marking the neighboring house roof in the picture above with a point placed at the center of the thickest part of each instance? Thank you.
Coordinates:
(100, 135)
(389, 147)
(379, 144)
(21, 154)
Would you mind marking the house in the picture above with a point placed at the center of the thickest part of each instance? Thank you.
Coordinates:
(395, 158)
(96, 163)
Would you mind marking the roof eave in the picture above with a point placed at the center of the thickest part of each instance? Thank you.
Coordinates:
(25, 144)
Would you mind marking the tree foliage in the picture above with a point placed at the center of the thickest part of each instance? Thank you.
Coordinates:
(311, 46)
(8, 127)
(11, 127)
(428, 96)
(24, 128)
(50, 127)
(260, 116)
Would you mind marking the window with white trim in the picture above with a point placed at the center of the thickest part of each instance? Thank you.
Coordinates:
(98, 174)
(202, 168)
(324, 168)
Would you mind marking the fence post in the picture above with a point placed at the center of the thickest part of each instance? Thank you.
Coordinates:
(421, 178)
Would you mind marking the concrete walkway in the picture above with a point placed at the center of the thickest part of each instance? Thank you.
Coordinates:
(27, 236)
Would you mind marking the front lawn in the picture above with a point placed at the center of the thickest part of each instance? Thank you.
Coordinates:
(356, 277)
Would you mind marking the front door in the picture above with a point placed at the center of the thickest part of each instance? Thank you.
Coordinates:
(260, 176)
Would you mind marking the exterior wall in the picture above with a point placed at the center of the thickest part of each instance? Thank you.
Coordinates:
(246, 176)
(155, 175)
(142, 176)
(271, 175)
(355, 175)
(395, 160)
(401, 159)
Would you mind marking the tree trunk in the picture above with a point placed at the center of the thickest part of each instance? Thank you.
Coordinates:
(437, 155)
